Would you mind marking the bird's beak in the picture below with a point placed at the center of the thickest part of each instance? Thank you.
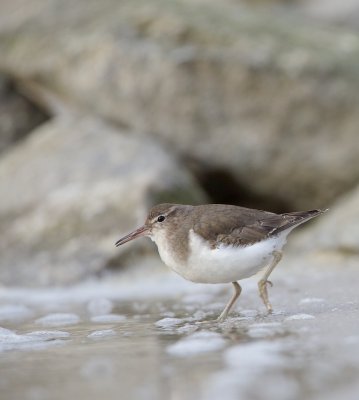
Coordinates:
(142, 231)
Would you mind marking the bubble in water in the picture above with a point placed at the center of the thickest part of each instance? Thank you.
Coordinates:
(101, 334)
(168, 322)
(108, 318)
(58, 319)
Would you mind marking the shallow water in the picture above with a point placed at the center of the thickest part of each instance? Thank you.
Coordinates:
(80, 344)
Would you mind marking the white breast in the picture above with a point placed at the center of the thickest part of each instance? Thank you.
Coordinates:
(166, 253)
(224, 264)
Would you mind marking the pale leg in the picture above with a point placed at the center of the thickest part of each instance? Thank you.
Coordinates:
(237, 292)
(262, 284)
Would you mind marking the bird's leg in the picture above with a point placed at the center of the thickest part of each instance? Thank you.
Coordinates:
(237, 292)
(262, 284)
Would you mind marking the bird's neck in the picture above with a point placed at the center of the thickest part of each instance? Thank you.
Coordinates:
(172, 244)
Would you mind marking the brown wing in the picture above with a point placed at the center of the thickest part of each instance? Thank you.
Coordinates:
(239, 226)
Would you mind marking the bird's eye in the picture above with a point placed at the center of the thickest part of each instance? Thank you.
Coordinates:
(161, 218)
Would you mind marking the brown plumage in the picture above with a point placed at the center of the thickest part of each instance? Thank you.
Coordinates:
(239, 226)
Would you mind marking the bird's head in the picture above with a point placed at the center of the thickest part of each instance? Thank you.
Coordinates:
(158, 219)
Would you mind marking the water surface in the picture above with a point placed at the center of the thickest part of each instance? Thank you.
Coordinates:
(82, 344)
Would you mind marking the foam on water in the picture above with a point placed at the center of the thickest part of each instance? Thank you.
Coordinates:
(299, 317)
(8, 336)
(197, 343)
(48, 335)
(186, 329)
(102, 333)
(9, 340)
(58, 319)
(311, 300)
(169, 322)
(108, 318)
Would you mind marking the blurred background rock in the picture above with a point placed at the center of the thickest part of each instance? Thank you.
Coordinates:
(107, 107)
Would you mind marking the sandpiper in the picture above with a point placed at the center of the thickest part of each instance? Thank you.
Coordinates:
(219, 243)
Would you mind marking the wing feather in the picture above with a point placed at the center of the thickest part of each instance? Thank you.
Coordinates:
(239, 226)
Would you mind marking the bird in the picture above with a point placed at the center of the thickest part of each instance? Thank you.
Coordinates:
(220, 243)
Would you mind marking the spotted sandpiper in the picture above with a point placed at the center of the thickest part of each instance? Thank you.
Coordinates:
(219, 243)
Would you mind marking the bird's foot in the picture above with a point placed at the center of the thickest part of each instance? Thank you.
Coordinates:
(263, 292)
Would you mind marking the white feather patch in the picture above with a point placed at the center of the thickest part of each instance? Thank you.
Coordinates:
(221, 265)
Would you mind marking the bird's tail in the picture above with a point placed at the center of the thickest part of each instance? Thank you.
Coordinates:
(299, 217)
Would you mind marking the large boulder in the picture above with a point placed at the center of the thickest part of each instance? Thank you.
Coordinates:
(71, 189)
(268, 98)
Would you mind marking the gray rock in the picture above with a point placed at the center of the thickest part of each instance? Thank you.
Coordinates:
(271, 99)
(71, 189)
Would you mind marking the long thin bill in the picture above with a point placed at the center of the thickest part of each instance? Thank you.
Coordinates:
(142, 231)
